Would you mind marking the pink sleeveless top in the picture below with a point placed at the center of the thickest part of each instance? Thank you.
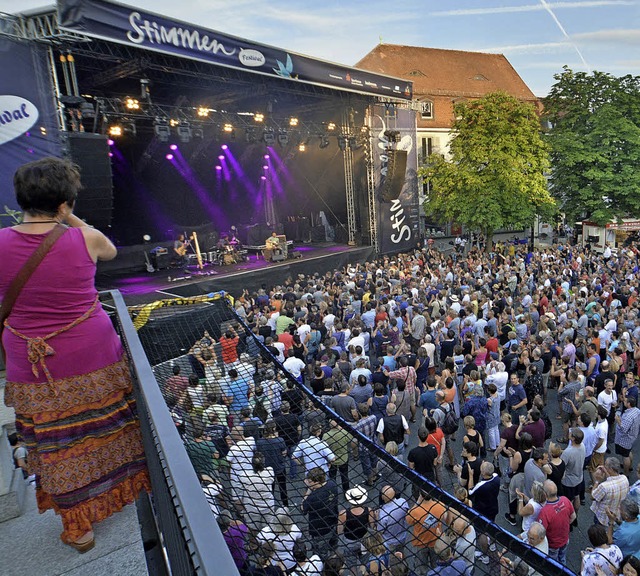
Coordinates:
(60, 291)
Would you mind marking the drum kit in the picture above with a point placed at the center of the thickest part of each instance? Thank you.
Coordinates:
(224, 255)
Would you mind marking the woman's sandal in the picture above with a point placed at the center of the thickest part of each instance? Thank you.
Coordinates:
(85, 543)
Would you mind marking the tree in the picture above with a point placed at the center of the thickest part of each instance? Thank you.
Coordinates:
(496, 176)
(595, 142)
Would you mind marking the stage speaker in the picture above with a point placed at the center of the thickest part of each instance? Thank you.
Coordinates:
(318, 234)
(91, 153)
(277, 257)
(295, 254)
(394, 180)
(160, 261)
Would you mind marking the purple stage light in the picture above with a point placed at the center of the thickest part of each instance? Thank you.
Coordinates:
(263, 177)
(27, 134)
(224, 146)
(221, 157)
(218, 167)
(173, 147)
(265, 167)
(169, 156)
(110, 154)
(266, 156)
(110, 142)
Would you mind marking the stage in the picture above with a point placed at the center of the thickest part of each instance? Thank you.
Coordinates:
(140, 287)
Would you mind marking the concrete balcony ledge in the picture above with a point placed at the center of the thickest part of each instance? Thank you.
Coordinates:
(31, 545)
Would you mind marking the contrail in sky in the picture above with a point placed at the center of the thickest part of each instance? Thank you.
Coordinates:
(555, 19)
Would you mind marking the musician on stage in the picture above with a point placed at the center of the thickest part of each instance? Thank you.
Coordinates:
(273, 246)
(180, 250)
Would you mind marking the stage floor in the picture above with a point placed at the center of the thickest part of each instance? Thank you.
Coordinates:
(142, 287)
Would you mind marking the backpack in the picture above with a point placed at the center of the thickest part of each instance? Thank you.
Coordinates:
(451, 422)
(259, 411)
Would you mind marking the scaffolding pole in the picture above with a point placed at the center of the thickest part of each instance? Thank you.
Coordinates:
(371, 186)
(347, 158)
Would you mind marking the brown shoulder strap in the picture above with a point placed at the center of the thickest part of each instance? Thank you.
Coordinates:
(27, 270)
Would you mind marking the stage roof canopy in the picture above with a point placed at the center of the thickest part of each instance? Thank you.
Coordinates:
(115, 22)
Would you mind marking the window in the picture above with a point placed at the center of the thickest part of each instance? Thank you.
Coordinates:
(426, 110)
(427, 147)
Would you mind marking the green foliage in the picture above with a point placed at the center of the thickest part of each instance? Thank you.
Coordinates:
(496, 176)
(595, 141)
(15, 215)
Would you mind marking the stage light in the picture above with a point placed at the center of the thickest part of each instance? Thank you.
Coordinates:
(110, 154)
(173, 122)
(129, 128)
(258, 117)
(266, 156)
(218, 167)
(228, 128)
(184, 132)
(173, 147)
(203, 112)
(161, 129)
(302, 147)
(293, 122)
(224, 146)
(265, 167)
(115, 130)
(342, 142)
(132, 104)
(169, 156)
(263, 177)
(269, 137)
(198, 133)
(221, 157)
(331, 126)
(324, 142)
(110, 142)
(250, 134)
(283, 137)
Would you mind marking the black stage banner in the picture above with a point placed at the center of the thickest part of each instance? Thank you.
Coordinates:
(395, 165)
(128, 25)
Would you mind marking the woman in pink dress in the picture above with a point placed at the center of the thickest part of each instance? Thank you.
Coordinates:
(67, 377)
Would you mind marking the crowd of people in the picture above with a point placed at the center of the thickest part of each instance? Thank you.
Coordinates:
(448, 364)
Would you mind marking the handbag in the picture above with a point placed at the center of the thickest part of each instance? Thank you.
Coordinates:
(24, 274)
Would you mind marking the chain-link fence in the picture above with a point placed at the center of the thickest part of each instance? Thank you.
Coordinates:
(308, 474)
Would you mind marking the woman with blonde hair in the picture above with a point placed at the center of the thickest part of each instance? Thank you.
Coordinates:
(282, 532)
(529, 508)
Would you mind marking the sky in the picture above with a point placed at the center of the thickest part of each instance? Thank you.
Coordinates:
(538, 37)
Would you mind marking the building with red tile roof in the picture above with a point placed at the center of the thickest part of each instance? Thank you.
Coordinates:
(440, 79)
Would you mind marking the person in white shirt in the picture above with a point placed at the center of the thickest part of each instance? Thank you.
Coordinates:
(294, 365)
(498, 375)
(608, 398)
(602, 435)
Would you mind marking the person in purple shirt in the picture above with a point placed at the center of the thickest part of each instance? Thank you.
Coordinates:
(534, 425)
(234, 533)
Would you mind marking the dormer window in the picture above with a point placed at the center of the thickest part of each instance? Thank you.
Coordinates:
(426, 110)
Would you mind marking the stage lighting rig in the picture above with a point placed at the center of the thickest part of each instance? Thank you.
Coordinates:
(129, 128)
(258, 117)
(184, 132)
(250, 134)
(131, 104)
(269, 137)
(293, 122)
(115, 131)
(161, 129)
(198, 133)
(203, 112)
(331, 126)
(283, 137)
(324, 142)
(228, 128)
(342, 142)
(302, 147)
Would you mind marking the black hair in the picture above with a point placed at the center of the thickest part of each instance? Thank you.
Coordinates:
(43, 185)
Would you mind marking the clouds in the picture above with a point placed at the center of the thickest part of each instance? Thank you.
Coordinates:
(628, 37)
(531, 8)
